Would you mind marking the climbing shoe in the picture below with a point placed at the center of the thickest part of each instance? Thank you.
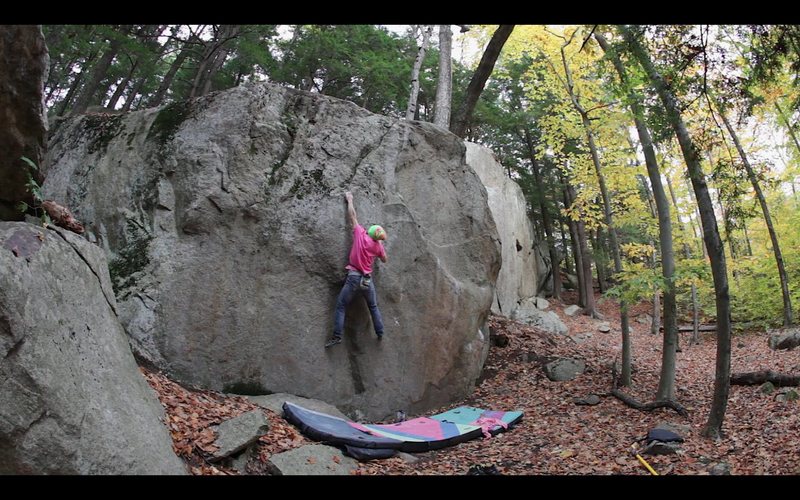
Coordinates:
(333, 341)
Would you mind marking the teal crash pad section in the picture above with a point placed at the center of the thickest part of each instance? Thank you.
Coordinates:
(467, 415)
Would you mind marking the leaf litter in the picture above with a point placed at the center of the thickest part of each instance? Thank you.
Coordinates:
(556, 436)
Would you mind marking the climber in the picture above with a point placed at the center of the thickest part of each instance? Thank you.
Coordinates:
(367, 244)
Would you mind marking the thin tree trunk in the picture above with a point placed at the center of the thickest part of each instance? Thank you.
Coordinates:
(567, 261)
(612, 230)
(135, 90)
(747, 239)
(695, 316)
(412, 100)
(726, 225)
(678, 215)
(213, 58)
(716, 250)
(698, 233)
(773, 236)
(220, 57)
(57, 77)
(600, 260)
(655, 326)
(166, 83)
(444, 87)
(788, 127)
(688, 253)
(73, 89)
(547, 221)
(478, 82)
(99, 72)
(589, 306)
(577, 248)
(112, 103)
(666, 385)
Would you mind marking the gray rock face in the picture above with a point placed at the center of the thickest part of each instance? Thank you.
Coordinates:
(312, 460)
(275, 402)
(564, 369)
(519, 275)
(225, 224)
(548, 321)
(23, 68)
(238, 433)
(786, 338)
(72, 400)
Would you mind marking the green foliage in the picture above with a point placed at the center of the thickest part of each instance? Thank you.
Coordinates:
(361, 63)
(36, 193)
(636, 282)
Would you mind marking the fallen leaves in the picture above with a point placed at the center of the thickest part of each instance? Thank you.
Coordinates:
(597, 439)
(555, 436)
(190, 416)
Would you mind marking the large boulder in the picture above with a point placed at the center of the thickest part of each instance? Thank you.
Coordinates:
(72, 400)
(225, 225)
(24, 63)
(784, 338)
(523, 265)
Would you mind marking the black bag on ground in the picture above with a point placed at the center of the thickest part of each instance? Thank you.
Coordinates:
(663, 435)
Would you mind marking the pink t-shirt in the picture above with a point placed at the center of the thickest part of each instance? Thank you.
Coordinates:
(363, 251)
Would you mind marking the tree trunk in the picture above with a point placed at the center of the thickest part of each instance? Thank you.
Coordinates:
(695, 316)
(547, 221)
(788, 127)
(99, 72)
(688, 253)
(678, 215)
(112, 103)
(589, 306)
(726, 226)
(230, 33)
(666, 385)
(444, 87)
(135, 90)
(213, 57)
(166, 83)
(478, 82)
(567, 262)
(773, 236)
(600, 259)
(612, 230)
(576, 246)
(747, 239)
(412, 100)
(73, 90)
(655, 326)
(714, 246)
(698, 234)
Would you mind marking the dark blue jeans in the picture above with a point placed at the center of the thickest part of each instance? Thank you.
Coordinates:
(351, 288)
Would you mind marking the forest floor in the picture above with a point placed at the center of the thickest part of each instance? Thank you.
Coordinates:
(556, 436)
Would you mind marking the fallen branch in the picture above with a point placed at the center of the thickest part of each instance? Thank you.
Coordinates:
(636, 404)
(758, 378)
(649, 406)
